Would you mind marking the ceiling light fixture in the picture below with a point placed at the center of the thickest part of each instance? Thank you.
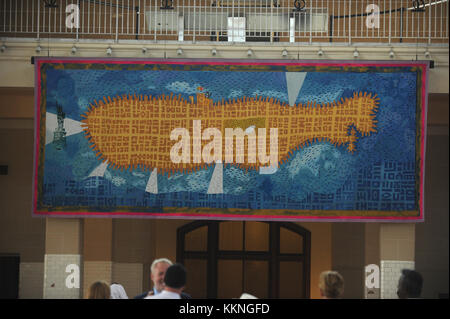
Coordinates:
(391, 54)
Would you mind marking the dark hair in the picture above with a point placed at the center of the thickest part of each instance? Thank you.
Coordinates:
(410, 283)
(175, 276)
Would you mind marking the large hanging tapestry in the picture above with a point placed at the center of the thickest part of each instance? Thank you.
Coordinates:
(230, 139)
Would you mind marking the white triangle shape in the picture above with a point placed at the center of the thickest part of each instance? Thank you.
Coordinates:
(294, 82)
(216, 183)
(51, 124)
(152, 185)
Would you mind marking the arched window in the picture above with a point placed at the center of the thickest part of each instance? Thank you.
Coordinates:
(226, 258)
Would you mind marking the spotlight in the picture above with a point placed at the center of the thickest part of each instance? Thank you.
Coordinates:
(109, 51)
(356, 54)
(249, 52)
(74, 50)
(391, 54)
(3, 48)
(38, 49)
(179, 52)
(144, 50)
(427, 54)
(213, 51)
(284, 53)
(320, 52)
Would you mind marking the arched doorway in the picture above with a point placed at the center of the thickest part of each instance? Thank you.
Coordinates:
(226, 258)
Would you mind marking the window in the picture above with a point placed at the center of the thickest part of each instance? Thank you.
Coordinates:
(225, 259)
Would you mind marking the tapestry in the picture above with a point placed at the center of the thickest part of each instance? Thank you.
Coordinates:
(268, 140)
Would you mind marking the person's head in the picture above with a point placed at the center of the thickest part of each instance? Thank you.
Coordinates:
(409, 284)
(117, 291)
(158, 271)
(175, 278)
(99, 290)
(331, 284)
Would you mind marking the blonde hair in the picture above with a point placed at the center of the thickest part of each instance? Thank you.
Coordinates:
(99, 290)
(331, 284)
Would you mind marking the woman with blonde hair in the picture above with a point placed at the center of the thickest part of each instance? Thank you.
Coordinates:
(331, 285)
(99, 290)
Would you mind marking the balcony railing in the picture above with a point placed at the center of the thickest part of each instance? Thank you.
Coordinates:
(229, 21)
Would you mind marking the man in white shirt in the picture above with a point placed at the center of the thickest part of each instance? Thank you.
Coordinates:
(174, 281)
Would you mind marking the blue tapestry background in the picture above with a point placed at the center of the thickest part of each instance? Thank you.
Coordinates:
(379, 175)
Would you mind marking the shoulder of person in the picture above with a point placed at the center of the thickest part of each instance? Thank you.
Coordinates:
(145, 294)
(184, 295)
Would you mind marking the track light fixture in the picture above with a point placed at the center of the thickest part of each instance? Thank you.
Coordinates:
(299, 5)
(418, 5)
(144, 50)
(213, 51)
(50, 4)
(38, 49)
(109, 51)
(355, 54)
(166, 5)
(391, 54)
(74, 49)
(179, 52)
(320, 53)
(249, 52)
(427, 54)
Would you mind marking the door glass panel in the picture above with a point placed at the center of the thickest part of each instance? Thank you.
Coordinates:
(229, 278)
(196, 277)
(291, 280)
(256, 236)
(257, 278)
(197, 240)
(230, 236)
(290, 242)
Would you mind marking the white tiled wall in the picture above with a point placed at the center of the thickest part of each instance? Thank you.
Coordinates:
(390, 274)
(130, 276)
(31, 280)
(55, 276)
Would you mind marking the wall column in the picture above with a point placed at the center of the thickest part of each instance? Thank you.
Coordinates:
(62, 260)
(397, 245)
(372, 257)
(97, 248)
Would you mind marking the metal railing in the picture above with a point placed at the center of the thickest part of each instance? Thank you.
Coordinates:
(293, 21)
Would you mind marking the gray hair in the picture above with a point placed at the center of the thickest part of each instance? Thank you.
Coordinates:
(160, 260)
